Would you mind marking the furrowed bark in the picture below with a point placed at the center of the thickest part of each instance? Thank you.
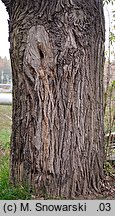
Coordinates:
(57, 57)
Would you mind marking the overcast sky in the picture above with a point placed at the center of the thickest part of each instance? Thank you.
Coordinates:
(4, 44)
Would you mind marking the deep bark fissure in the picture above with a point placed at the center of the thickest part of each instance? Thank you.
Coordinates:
(57, 64)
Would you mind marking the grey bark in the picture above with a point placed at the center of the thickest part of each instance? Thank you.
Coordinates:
(57, 53)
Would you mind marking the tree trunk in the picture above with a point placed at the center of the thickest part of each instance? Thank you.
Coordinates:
(57, 53)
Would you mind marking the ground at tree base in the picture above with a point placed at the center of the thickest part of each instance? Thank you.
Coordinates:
(107, 192)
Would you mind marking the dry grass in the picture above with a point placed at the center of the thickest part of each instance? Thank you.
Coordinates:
(5, 116)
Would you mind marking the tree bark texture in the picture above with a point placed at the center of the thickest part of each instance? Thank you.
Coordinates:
(57, 53)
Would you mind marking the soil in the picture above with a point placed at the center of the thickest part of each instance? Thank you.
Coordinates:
(109, 189)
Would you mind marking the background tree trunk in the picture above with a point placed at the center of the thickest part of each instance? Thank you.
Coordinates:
(57, 57)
